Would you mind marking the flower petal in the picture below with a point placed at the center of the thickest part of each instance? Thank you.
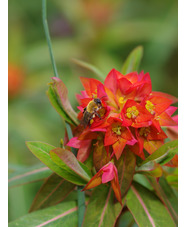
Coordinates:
(160, 103)
(118, 147)
(165, 120)
(108, 173)
(90, 85)
(74, 142)
(95, 181)
(111, 80)
(110, 137)
(152, 145)
(124, 85)
(172, 98)
(116, 186)
(84, 150)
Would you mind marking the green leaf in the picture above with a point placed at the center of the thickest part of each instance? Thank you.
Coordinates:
(15, 167)
(101, 210)
(142, 179)
(58, 96)
(41, 151)
(90, 67)
(173, 180)
(126, 169)
(133, 61)
(54, 190)
(150, 168)
(163, 154)
(85, 168)
(70, 165)
(127, 220)
(28, 175)
(63, 214)
(55, 103)
(166, 195)
(146, 208)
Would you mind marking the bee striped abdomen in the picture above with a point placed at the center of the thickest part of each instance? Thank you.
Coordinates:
(91, 107)
(87, 116)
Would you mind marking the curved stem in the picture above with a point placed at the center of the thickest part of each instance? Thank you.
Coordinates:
(47, 34)
(81, 195)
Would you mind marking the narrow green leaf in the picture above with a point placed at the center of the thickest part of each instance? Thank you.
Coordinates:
(70, 165)
(54, 190)
(28, 175)
(146, 208)
(61, 93)
(55, 103)
(41, 151)
(163, 154)
(101, 210)
(166, 195)
(126, 169)
(150, 168)
(63, 214)
(133, 61)
(90, 67)
(15, 167)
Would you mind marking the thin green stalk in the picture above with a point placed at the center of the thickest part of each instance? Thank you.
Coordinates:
(81, 205)
(69, 132)
(47, 34)
(81, 195)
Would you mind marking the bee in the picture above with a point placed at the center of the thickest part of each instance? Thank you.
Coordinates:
(91, 110)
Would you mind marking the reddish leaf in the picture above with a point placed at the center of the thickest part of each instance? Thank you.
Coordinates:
(62, 95)
(150, 168)
(126, 169)
(100, 156)
(54, 190)
(70, 165)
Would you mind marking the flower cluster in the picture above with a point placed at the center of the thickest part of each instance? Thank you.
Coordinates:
(123, 113)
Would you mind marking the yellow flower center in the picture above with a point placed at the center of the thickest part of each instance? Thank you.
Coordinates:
(150, 107)
(144, 131)
(117, 130)
(91, 121)
(132, 112)
(121, 100)
(94, 95)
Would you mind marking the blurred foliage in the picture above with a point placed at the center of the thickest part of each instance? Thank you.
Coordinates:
(101, 33)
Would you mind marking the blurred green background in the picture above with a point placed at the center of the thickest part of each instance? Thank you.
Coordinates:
(99, 32)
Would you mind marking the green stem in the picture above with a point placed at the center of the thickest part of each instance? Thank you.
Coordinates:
(69, 132)
(81, 195)
(47, 34)
(81, 205)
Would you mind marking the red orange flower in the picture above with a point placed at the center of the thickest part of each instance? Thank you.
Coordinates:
(131, 116)
(118, 136)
